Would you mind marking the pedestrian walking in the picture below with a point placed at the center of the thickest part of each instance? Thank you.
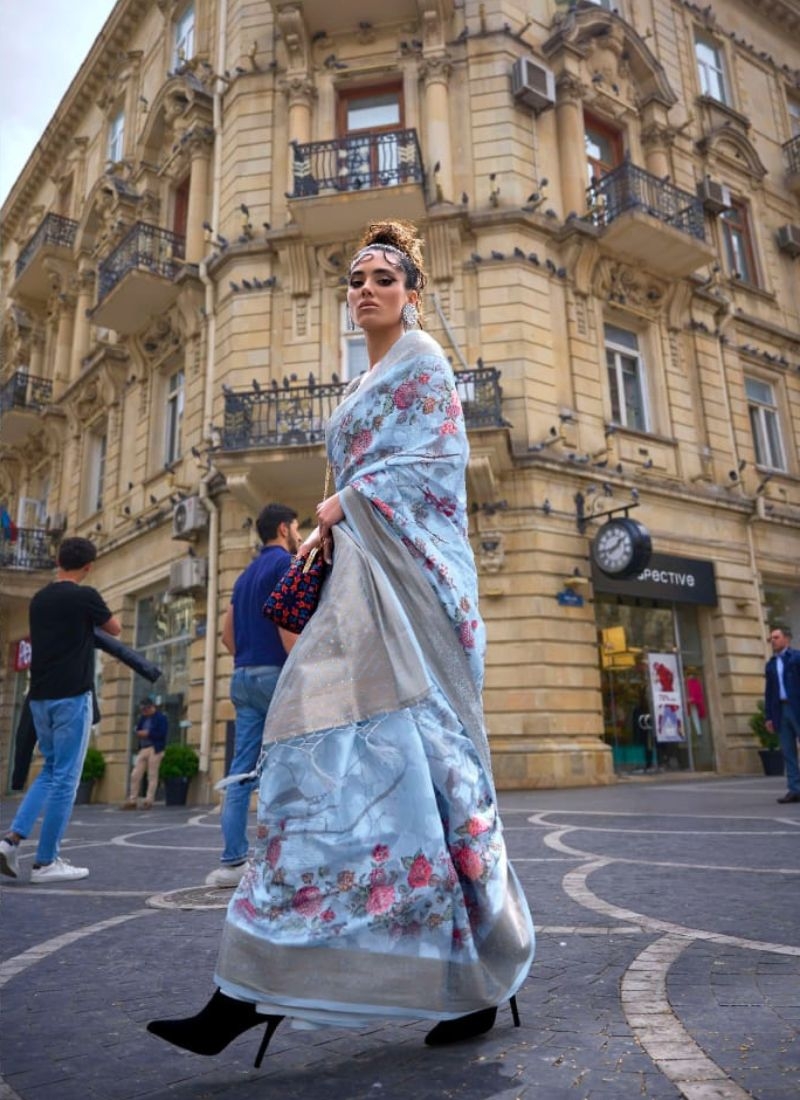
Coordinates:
(259, 651)
(782, 704)
(380, 887)
(62, 617)
(151, 733)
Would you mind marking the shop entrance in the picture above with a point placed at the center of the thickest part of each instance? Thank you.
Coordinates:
(655, 714)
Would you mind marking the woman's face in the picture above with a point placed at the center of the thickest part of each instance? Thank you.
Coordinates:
(377, 292)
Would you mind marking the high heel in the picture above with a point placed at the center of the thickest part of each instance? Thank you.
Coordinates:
(468, 1027)
(215, 1026)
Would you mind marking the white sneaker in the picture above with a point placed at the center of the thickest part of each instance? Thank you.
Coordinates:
(227, 875)
(60, 870)
(9, 858)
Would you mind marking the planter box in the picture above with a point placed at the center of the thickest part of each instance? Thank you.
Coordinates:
(771, 761)
(83, 795)
(176, 787)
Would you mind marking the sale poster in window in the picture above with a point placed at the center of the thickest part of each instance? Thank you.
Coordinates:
(667, 695)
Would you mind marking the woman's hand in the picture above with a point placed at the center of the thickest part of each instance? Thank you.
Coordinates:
(313, 540)
(329, 513)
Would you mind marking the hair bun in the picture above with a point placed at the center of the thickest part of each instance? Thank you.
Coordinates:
(398, 234)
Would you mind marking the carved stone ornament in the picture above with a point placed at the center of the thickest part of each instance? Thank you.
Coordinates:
(292, 29)
(17, 336)
(436, 69)
(491, 551)
(160, 340)
(622, 285)
(726, 145)
(299, 90)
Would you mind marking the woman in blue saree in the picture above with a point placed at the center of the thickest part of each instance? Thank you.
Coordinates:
(380, 886)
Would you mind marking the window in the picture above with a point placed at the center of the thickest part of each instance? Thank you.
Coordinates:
(625, 378)
(353, 348)
(116, 137)
(738, 242)
(603, 147)
(794, 117)
(374, 155)
(764, 423)
(710, 68)
(174, 418)
(184, 37)
(95, 471)
(180, 208)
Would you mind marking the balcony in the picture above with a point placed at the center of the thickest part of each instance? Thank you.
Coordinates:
(791, 152)
(329, 174)
(33, 549)
(52, 240)
(344, 15)
(293, 417)
(22, 397)
(644, 220)
(137, 280)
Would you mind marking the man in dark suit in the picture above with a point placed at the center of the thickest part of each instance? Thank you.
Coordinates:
(782, 704)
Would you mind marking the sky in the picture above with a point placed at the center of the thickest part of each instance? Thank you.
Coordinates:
(42, 45)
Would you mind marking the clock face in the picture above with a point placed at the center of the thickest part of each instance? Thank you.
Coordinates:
(621, 547)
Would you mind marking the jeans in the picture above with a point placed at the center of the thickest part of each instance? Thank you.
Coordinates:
(62, 729)
(251, 693)
(788, 733)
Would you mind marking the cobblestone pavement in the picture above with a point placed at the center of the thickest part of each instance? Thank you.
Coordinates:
(668, 962)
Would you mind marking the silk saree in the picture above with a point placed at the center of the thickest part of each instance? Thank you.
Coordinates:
(380, 885)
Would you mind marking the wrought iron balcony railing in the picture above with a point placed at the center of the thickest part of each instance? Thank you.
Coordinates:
(357, 162)
(33, 548)
(144, 248)
(295, 414)
(628, 187)
(53, 230)
(25, 391)
(792, 151)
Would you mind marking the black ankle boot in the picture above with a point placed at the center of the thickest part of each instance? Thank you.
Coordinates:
(215, 1026)
(467, 1027)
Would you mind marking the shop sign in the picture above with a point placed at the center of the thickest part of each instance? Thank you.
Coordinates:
(665, 690)
(22, 655)
(665, 577)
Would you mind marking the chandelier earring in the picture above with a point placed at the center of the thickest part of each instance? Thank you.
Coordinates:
(409, 316)
(351, 325)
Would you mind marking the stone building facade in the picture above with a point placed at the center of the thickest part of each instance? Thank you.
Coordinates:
(609, 195)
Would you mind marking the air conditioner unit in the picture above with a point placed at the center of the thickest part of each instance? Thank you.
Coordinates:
(186, 574)
(188, 517)
(715, 197)
(788, 239)
(533, 84)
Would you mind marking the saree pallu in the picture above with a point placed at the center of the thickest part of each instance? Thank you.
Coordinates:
(380, 885)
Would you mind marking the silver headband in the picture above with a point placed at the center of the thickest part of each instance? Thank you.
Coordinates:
(371, 248)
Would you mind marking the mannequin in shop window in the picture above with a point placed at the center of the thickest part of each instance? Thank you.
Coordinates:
(695, 700)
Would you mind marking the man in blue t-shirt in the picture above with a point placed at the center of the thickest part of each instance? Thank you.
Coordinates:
(259, 649)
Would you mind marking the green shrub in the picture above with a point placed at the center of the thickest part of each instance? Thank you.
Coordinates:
(94, 766)
(758, 724)
(179, 760)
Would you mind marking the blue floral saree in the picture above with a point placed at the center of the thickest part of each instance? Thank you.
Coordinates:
(380, 885)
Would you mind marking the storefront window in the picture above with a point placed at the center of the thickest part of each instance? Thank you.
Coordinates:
(630, 632)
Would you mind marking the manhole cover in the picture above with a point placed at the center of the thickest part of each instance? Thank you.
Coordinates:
(192, 897)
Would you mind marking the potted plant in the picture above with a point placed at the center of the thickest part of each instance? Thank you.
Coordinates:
(178, 764)
(94, 767)
(770, 753)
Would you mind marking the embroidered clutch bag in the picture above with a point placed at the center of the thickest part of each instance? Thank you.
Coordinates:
(294, 598)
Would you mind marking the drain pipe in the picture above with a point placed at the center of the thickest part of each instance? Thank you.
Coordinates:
(212, 589)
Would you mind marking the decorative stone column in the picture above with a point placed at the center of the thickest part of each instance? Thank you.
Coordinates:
(656, 142)
(571, 142)
(200, 141)
(300, 95)
(64, 317)
(81, 339)
(435, 72)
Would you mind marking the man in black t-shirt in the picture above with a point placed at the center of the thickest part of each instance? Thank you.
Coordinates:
(62, 615)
